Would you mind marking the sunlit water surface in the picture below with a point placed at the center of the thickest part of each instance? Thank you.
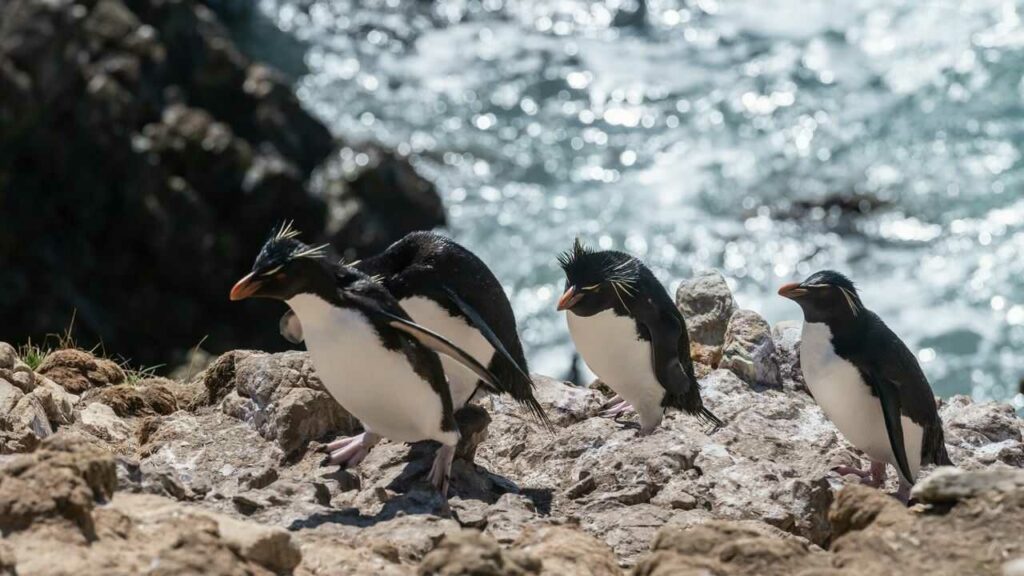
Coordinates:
(709, 135)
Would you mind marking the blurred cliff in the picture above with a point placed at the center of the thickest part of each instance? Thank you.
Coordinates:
(143, 160)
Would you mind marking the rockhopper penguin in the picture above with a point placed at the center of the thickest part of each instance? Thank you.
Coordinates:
(448, 289)
(629, 332)
(373, 359)
(866, 381)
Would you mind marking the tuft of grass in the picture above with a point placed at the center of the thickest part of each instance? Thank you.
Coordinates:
(34, 354)
(135, 375)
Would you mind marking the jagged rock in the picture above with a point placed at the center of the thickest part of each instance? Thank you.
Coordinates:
(101, 421)
(145, 398)
(58, 403)
(8, 356)
(470, 553)
(281, 396)
(63, 480)
(728, 548)
(565, 551)
(25, 425)
(9, 397)
(786, 335)
(77, 370)
(749, 350)
(706, 304)
(564, 403)
(211, 467)
(270, 547)
(952, 485)
(981, 434)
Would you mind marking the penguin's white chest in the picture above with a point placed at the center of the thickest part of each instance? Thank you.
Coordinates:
(462, 380)
(376, 385)
(846, 400)
(611, 348)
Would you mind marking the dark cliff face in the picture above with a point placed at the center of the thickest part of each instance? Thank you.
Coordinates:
(143, 159)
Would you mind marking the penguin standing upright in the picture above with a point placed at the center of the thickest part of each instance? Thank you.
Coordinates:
(448, 289)
(372, 358)
(866, 381)
(629, 332)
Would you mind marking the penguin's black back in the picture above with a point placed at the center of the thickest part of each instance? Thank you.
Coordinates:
(876, 351)
(421, 263)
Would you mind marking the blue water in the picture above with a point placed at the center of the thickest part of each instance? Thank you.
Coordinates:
(701, 135)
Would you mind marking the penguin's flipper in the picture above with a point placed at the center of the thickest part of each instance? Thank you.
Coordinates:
(889, 396)
(291, 328)
(665, 332)
(478, 322)
(428, 338)
(442, 345)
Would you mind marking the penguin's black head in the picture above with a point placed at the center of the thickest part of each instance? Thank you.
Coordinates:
(825, 296)
(595, 281)
(285, 267)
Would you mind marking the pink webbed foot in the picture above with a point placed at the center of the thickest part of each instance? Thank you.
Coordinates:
(349, 452)
(440, 472)
(617, 410)
(874, 476)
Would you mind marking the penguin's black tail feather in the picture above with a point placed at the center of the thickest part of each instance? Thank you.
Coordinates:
(519, 386)
(942, 457)
(708, 418)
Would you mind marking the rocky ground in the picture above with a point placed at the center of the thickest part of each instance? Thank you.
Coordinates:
(220, 472)
(141, 150)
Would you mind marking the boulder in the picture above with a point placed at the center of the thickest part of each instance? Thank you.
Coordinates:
(77, 370)
(786, 335)
(469, 553)
(282, 397)
(101, 421)
(60, 482)
(147, 397)
(949, 484)
(564, 550)
(706, 304)
(8, 356)
(749, 350)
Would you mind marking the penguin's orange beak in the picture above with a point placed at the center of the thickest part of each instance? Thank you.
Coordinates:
(792, 290)
(569, 299)
(245, 287)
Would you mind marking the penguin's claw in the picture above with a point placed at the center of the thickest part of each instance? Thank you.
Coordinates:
(441, 471)
(617, 410)
(903, 494)
(614, 400)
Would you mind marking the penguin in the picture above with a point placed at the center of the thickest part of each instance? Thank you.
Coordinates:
(371, 356)
(866, 380)
(445, 287)
(629, 332)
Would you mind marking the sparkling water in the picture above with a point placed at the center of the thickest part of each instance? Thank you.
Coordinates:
(765, 138)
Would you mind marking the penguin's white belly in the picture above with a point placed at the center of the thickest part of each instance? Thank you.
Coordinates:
(376, 385)
(846, 399)
(611, 348)
(462, 380)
